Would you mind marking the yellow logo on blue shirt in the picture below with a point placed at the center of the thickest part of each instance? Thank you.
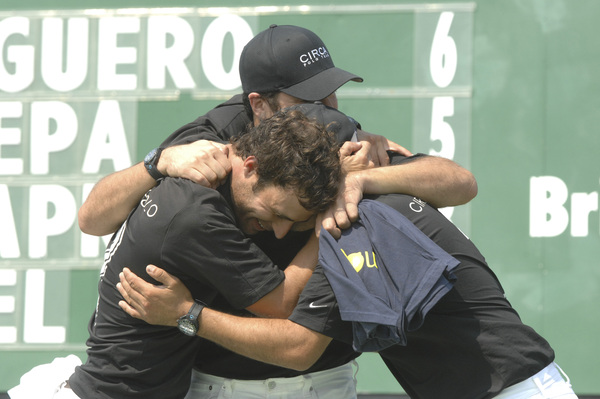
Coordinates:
(357, 260)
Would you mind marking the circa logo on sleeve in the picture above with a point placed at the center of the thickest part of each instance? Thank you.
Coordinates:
(314, 55)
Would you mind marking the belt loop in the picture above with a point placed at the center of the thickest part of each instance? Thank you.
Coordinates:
(564, 375)
(539, 385)
(355, 363)
(307, 387)
(227, 388)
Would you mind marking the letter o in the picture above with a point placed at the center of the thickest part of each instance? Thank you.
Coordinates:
(212, 50)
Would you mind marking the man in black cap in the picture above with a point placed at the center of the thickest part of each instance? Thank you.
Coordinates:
(196, 233)
(279, 67)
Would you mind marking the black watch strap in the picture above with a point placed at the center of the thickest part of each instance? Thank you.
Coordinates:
(189, 323)
(151, 163)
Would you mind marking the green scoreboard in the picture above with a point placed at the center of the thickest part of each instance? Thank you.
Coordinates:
(509, 89)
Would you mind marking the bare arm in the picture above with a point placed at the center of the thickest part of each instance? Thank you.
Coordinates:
(114, 196)
(436, 180)
(283, 299)
(276, 341)
(439, 181)
(163, 304)
(379, 147)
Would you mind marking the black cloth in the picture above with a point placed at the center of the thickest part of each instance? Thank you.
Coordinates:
(385, 274)
(216, 360)
(226, 120)
(219, 124)
(190, 231)
(472, 343)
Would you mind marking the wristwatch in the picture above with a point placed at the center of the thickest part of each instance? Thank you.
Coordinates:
(188, 323)
(151, 163)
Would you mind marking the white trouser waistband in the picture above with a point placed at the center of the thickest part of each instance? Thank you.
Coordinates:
(316, 376)
(547, 383)
(321, 383)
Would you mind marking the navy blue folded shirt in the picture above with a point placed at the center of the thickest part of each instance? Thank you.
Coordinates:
(386, 275)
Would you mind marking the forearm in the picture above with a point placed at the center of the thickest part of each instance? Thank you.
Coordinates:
(282, 300)
(112, 198)
(436, 180)
(275, 341)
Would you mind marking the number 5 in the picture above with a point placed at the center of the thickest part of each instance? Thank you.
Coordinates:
(440, 129)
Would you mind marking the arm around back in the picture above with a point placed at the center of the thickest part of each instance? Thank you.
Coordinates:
(112, 198)
(275, 341)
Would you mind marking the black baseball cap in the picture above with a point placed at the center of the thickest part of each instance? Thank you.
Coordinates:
(292, 60)
(334, 120)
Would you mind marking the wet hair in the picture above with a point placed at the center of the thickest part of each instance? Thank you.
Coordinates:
(294, 152)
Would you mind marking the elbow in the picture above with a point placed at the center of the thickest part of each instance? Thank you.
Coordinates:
(88, 226)
(465, 188)
(300, 360)
(471, 187)
(304, 351)
(281, 312)
(83, 221)
(284, 308)
(474, 189)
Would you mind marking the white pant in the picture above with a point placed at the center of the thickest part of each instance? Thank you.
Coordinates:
(336, 383)
(65, 393)
(47, 381)
(548, 383)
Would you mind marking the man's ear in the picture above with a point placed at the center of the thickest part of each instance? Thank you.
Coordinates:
(250, 165)
(260, 107)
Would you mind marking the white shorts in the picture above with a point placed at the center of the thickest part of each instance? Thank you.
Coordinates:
(548, 383)
(336, 383)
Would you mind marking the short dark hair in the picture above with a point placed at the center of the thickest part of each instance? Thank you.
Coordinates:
(294, 152)
(270, 97)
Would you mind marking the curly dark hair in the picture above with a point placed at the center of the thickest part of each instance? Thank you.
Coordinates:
(294, 152)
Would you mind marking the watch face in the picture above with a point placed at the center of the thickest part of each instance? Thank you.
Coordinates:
(187, 327)
(150, 155)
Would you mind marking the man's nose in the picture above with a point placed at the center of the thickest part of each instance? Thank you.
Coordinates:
(282, 227)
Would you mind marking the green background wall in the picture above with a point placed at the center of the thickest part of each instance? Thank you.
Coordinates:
(520, 110)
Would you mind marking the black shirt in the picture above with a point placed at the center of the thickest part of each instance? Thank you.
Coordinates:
(472, 343)
(190, 231)
(219, 124)
(226, 120)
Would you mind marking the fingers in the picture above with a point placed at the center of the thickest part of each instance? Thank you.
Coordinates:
(356, 156)
(399, 149)
(365, 157)
(132, 303)
(161, 276)
(208, 171)
(327, 221)
(380, 146)
(127, 287)
(203, 162)
(348, 148)
(380, 155)
(129, 310)
(351, 212)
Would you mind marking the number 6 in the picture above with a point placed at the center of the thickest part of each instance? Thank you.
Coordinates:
(442, 59)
